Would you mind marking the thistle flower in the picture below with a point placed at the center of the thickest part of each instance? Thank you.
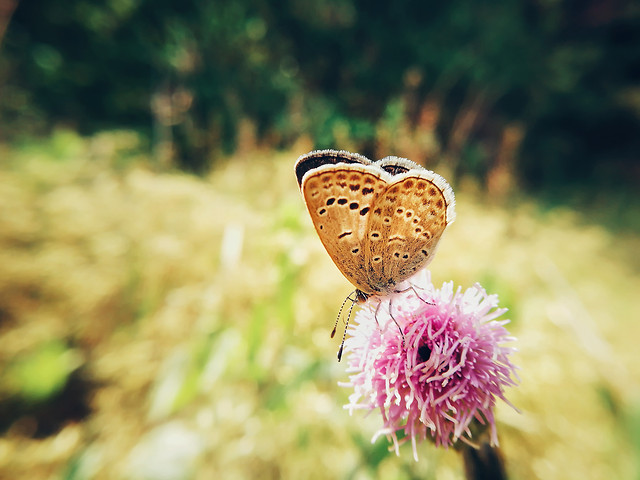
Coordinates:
(443, 372)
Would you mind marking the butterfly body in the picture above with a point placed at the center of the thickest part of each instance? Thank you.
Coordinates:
(379, 221)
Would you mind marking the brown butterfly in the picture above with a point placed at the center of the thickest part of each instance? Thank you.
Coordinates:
(380, 222)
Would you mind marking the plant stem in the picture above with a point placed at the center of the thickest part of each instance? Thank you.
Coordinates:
(484, 463)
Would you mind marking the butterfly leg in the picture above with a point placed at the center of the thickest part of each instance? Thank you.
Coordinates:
(419, 297)
(392, 318)
(396, 322)
(375, 315)
(412, 287)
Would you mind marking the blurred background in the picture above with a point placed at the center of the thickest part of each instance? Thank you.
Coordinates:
(165, 305)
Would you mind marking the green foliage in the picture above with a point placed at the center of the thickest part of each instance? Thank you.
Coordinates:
(40, 373)
(193, 75)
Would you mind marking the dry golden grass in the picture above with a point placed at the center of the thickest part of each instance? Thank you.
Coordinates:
(195, 316)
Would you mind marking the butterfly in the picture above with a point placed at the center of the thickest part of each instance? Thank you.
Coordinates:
(380, 222)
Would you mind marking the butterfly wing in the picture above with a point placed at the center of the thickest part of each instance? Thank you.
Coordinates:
(406, 223)
(339, 199)
(317, 158)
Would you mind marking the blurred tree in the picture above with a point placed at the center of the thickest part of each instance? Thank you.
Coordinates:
(6, 10)
(186, 72)
(543, 89)
(561, 73)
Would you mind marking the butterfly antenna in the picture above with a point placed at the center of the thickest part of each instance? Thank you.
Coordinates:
(344, 334)
(335, 326)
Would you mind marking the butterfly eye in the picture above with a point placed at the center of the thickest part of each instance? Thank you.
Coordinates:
(364, 211)
(354, 205)
(330, 201)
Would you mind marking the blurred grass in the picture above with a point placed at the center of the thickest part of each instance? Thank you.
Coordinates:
(157, 325)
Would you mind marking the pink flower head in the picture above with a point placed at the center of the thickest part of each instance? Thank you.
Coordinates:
(446, 372)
